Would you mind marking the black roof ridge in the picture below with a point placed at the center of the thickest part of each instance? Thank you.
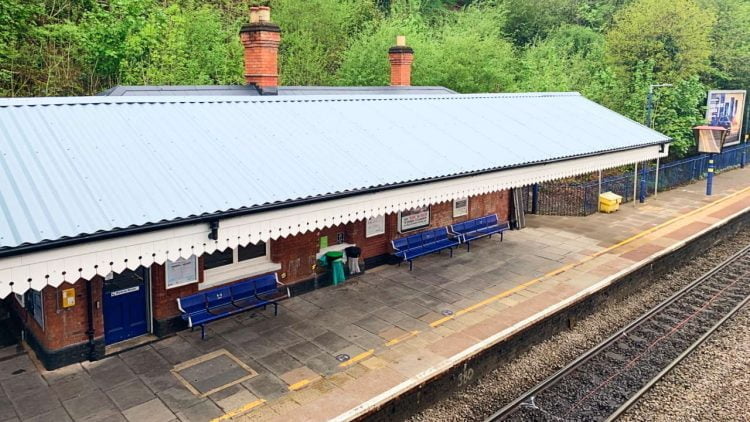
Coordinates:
(191, 99)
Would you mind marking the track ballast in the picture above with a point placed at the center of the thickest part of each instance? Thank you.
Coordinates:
(606, 380)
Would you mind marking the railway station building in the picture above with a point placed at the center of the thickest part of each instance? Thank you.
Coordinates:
(114, 206)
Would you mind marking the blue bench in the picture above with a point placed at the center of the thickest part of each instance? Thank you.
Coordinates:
(424, 243)
(201, 308)
(478, 228)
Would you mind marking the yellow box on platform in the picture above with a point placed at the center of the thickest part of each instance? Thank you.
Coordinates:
(609, 202)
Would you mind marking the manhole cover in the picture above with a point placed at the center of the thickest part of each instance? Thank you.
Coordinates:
(343, 357)
(212, 372)
(447, 312)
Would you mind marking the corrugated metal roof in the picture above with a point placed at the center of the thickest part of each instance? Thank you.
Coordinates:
(76, 166)
(243, 90)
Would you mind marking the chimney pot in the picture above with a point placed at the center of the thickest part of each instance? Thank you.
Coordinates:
(264, 14)
(254, 18)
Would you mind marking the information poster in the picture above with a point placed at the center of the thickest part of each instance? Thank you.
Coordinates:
(181, 272)
(726, 109)
(413, 219)
(460, 207)
(375, 226)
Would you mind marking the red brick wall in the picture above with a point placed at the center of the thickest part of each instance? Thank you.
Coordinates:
(164, 301)
(442, 214)
(65, 326)
(296, 254)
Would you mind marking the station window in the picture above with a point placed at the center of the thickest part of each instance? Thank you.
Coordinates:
(35, 305)
(234, 264)
(219, 258)
(251, 251)
(234, 255)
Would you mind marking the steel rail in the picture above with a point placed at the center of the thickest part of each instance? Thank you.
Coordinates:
(633, 399)
(528, 396)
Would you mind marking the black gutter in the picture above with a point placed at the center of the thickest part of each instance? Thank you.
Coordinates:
(208, 218)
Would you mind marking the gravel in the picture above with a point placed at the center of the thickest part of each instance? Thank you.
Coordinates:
(503, 385)
(713, 383)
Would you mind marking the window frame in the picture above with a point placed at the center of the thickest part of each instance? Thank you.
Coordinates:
(238, 269)
(35, 297)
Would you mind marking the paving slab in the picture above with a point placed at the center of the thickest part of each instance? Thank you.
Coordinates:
(151, 411)
(131, 394)
(200, 412)
(88, 405)
(109, 373)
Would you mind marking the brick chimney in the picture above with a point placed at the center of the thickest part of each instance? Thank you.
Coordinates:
(261, 39)
(401, 56)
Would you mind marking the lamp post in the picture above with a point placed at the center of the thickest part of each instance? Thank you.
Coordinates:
(710, 140)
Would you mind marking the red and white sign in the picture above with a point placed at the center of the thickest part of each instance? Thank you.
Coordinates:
(413, 219)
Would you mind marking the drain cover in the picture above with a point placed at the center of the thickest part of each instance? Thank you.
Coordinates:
(447, 312)
(212, 372)
(343, 357)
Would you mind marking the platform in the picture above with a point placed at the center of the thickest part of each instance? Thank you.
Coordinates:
(398, 328)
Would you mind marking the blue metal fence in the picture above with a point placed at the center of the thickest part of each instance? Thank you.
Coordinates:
(583, 198)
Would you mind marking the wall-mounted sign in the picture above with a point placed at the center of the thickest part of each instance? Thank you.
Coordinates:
(460, 207)
(182, 271)
(125, 291)
(413, 219)
(375, 226)
(726, 109)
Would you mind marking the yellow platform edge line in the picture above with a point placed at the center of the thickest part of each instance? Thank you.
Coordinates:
(299, 385)
(588, 258)
(239, 411)
(359, 357)
(401, 338)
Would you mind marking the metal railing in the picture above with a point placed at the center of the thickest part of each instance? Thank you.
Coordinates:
(579, 199)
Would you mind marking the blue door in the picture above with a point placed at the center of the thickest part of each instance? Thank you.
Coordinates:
(125, 306)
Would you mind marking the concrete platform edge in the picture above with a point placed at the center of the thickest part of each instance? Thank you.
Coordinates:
(463, 368)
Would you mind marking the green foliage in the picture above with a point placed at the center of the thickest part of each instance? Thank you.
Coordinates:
(678, 110)
(675, 35)
(465, 51)
(570, 59)
(182, 46)
(730, 39)
(316, 34)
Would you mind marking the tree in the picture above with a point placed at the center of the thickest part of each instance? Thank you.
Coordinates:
(730, 58)
(570, 59)
(675, 35)
(182, 46)
(315, 34)
(530, 20)
(17, 18)
(464, 51)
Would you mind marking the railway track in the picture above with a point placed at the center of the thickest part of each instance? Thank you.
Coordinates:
(606, 380)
